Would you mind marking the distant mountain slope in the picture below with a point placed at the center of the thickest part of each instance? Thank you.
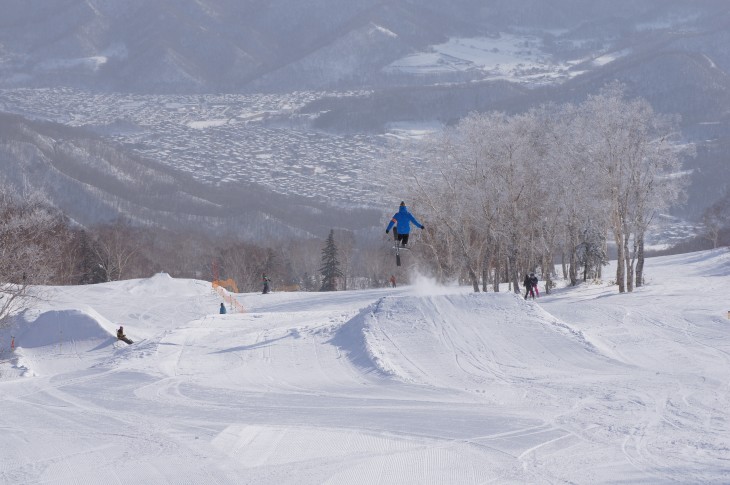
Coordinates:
(228, 45)
(94, 181)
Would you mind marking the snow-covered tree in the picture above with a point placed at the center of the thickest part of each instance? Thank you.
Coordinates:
(33, 236)
(116, 247)
(590, 252)
(716, 221)
(634, 153)
(512, 191)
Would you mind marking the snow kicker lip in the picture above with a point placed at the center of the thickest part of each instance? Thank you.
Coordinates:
(462, 340)
(351, 339)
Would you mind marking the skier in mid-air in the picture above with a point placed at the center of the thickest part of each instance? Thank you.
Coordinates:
(402, 222)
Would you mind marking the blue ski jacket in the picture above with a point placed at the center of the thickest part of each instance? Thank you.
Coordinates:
(403, 218)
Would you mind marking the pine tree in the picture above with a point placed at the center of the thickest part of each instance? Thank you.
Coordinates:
(330, 269)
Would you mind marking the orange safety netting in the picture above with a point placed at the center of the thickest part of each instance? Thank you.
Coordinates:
(222, 288)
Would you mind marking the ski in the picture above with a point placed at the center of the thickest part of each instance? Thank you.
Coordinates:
(398, 248)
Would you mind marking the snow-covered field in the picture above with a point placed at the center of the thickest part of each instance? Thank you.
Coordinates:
(515, 58)
(420, 384)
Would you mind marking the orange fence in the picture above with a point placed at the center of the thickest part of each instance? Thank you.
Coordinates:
(222, 288)
(228, 284)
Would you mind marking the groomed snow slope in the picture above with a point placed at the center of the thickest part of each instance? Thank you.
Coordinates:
(421, 384)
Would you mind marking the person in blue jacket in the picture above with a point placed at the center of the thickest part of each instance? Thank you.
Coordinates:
(223, 309)
(402, 222)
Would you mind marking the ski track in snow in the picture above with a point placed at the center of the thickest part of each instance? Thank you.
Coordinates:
(419, 384)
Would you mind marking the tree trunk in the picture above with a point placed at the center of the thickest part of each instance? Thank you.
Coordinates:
(629, 264)
(620, 261)
(640, 263)
(573, 270)
(485, 271)
(605, 251)
(514, 276)
(497, 272)
(508, 275)
(474, 280)
(548, 272)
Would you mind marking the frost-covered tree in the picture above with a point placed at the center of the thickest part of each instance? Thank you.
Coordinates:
(117, 246)
(510, 192)
(33, 236)
(716, 221)
(453, 241)
(590, 252)
(486, 194)
(634, 154)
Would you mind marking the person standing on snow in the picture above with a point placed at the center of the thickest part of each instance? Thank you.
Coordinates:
(392, 281)
(402, 220)
(266, 283)
(223, 309)
(528, 286)
(533, 282)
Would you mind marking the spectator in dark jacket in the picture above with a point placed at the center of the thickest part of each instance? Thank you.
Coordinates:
(528, 286)
(533, 282)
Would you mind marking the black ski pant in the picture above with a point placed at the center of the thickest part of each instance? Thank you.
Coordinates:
(398, 237)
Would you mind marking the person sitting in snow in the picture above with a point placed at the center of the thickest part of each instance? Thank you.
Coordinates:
(223, 309)
(121, 336)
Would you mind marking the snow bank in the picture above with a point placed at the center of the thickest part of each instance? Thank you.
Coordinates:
(58, 326)
(162, 284)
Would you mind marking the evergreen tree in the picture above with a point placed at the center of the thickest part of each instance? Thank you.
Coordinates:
(330, 269)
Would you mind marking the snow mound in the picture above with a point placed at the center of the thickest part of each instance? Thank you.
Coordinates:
(59, 326)
(162, 284)
(467, 340)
